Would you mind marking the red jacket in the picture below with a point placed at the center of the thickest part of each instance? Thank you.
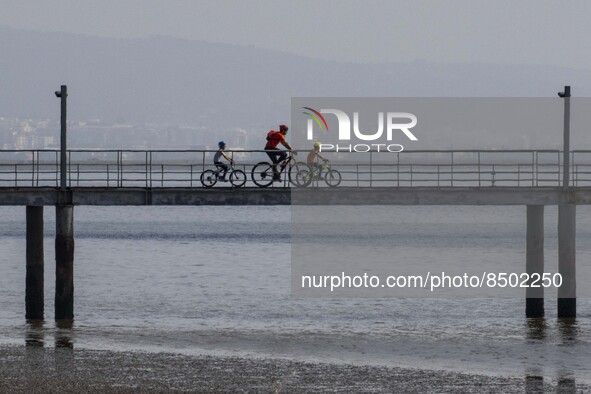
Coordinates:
(273, 139)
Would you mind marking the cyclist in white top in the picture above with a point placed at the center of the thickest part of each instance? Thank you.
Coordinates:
(216, 160)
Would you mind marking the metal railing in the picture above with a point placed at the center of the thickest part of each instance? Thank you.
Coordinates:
(182, 168)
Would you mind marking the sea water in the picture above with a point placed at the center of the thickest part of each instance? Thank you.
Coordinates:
(216, 280)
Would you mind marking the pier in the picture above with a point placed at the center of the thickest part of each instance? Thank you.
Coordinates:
(532, 179)
(67, 178)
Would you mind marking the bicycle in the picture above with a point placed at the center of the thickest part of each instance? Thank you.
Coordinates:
(263, 175)
(332, 177)
(210, 177)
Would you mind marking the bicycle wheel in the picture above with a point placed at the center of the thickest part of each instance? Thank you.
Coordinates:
(299, 175)
(303, 178)
(237, 178)
(262, 174)
(208, 178)
(332, 178)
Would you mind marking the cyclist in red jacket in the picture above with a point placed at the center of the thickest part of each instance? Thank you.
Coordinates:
(276, 155)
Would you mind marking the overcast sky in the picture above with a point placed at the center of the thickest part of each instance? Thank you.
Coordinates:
(512, 32)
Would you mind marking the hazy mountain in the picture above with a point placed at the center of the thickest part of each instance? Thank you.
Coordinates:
(160, 79)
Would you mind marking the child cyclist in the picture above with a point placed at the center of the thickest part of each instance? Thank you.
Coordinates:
(313, 157)
(216, 160)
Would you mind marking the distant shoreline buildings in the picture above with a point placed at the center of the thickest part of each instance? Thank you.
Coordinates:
(25, 134)
(16, 133)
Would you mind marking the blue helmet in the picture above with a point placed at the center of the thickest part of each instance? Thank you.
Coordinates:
(221, 143)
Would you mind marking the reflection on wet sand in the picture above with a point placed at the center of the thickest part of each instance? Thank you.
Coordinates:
(569, 330)
(534, 377)
(534, 381)
(34, 336)
(536, 328)
(566, 382)
(63, 334)
(35, 332)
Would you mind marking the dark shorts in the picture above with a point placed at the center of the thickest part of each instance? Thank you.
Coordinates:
(276, 157)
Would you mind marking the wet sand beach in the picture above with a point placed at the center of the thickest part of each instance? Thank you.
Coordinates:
(62, 370)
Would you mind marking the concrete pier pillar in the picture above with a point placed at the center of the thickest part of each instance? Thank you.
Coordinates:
(534, 260)
(34, 304)
(64, 262)
(567, 293)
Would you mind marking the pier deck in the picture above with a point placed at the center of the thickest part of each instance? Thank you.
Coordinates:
(42, 196)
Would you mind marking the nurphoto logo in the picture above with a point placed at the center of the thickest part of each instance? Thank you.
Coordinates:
(391, 119)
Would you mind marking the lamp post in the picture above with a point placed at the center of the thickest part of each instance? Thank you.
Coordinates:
(62, 94)
(567, 292)
(566, 146)
(64, 231)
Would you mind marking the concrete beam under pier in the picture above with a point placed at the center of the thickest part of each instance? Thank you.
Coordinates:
(172, 196)
(141, 196)
(304, 196)
(430, 196)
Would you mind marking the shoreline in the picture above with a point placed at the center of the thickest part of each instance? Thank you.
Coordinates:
(30, 369)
